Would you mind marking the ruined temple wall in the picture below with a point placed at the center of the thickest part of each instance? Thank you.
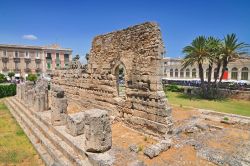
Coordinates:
(139, 49)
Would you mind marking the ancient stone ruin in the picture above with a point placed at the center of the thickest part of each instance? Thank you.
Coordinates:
(138, 50)
(121, 82)
(113, 111)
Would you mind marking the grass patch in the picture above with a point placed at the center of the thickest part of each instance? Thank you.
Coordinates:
(15, 147)
(240, 107)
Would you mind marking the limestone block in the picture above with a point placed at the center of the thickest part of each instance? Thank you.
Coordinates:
(155, 150)
(101, 159)
(97, 131)
(59, 111)
(75, 124)
(39, 104)
(31, 97)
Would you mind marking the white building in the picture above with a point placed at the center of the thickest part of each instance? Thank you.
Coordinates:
(237, 70)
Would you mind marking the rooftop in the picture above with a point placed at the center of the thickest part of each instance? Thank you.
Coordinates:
(49, 47)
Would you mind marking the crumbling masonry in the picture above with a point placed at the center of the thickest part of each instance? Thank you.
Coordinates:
(139, 49)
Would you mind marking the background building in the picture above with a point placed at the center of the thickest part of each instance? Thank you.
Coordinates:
(23, 59)
(237, 70)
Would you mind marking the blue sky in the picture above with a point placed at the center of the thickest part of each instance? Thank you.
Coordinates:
(74, 23)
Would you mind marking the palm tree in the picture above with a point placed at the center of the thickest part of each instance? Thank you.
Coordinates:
(231, 49)
(196, 53)
(214, 56)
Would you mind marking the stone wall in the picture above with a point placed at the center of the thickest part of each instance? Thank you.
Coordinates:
(139, 49)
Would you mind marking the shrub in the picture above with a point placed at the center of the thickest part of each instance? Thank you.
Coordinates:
(174, 88)
(2, 78)
(7, 90)
(32, 77)
(11, 74)
(226, 118)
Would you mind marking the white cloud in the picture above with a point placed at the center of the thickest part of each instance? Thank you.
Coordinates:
(29, 37)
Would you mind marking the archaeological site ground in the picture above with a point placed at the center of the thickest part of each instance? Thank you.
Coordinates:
(113, 111)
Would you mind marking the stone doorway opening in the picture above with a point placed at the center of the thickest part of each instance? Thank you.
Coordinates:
(120, 80)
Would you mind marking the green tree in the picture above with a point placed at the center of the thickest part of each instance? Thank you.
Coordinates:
(196, 54)
(231, 49)
(32, 77)
(214, 57)
(2, 78)
(11, 74)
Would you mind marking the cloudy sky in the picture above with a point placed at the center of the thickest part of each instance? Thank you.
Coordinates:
(73, 24)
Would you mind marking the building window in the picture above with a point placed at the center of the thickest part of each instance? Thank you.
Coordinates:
(194, 73)
(27, 65)
(27, 54)
(182, 73)
(16, 54)
(48, 56)
(16, 66)
(171, 72)
(37, 65)
(234, 73)
(187, 73)
(244, 73)
(176, 72)
(4, 53)
(57, 55)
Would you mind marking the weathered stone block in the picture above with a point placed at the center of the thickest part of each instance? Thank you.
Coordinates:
(39, 104)
(59, 111)
(97, 131)
(75, 124)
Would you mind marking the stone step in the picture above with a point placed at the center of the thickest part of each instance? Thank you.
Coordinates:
(59, 143)
(46, 122)
(57, 155)
(41, 150)
(49, 148)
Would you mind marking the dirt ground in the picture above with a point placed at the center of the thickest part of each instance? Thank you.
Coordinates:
(218, 137)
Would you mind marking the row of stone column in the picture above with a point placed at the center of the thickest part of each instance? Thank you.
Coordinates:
(34, 95)
(94, 123)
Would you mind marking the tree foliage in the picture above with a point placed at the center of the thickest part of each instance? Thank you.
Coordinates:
(11, 74)
(2, 78)
(32, 77)
(217, 53)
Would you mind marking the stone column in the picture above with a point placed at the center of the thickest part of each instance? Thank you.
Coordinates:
(31, 97)
(39, 104)
(58, 107)
(97, 131)
(18, 91)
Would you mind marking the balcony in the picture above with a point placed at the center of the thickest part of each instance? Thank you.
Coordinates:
(27, 60)
(5, 69)
(5, 59)
(38, 70)
(38, 60)
(27, 70)
(16, 60)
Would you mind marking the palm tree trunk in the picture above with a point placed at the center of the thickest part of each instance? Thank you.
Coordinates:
(201, 74)
(210, 67)
(216, 76)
